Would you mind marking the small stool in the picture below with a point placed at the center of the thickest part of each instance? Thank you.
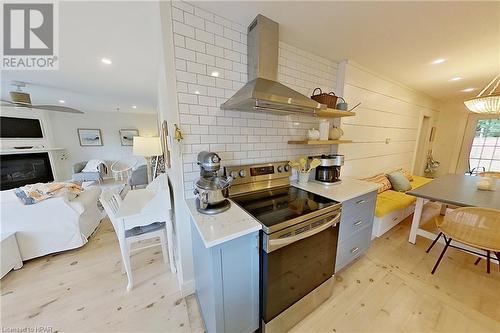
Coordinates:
(10, 256)
(473, 226)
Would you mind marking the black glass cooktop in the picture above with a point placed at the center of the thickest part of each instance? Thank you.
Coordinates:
(275, 206)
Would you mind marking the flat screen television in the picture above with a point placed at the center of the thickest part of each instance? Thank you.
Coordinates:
(11, 127)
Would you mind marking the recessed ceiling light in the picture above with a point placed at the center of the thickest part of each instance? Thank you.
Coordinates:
(456, 78)
(106, 61)
(134, 106)
(438, 61)
(469, 89)
(62, 101)
(197, 92)
(215, 74)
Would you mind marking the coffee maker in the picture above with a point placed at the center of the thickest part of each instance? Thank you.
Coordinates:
(211, 189)
(328, 172)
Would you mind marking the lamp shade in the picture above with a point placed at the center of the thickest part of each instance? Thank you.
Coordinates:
(147, 146)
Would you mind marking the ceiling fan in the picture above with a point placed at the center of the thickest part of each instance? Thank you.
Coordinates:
(22, 99)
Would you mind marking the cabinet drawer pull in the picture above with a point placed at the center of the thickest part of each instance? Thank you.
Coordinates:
(358, 223)
(360, 202)
(354, 249)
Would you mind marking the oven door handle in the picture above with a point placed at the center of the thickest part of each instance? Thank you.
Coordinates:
(280, 242)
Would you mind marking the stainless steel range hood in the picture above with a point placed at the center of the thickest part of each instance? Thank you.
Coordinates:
(263, 93)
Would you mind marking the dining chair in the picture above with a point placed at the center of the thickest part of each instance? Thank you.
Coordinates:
(111, 202)
(473, 226)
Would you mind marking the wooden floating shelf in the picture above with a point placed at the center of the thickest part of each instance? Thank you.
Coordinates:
(334, 113)
(319, 142)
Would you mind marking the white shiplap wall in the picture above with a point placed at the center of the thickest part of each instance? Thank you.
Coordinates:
(388, 110)
(205, 43)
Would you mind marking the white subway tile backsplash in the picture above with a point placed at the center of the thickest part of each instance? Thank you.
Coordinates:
(198, 110)
(195, 45)
(232, 34)
(194, 67)
(189, 119)
(208, 120)
(203, 14)
(223, 63)
(177, 14)
(183, 6)
(185, 76)
(219, 130)
(240, 47)
(232, 55)
(197, 89)
(187, 98)
(217, 92)
(205, 80)
(223, 42)
(204, 36)
(179, 40)
(194, 21)
(205, 59)
(214, 28)
(207, 100)
(209, 138)
(186, 54)
(223, 83)
(182, 86)
(205, 43)
(222, 21)
(215, 50)
(183, 29)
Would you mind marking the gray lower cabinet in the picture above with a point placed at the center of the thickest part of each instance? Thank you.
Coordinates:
(355, 228)
(227, 283)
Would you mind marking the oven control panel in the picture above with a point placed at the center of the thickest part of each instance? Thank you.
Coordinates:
(243, 174)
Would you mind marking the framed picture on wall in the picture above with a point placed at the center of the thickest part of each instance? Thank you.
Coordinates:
(89, 136)
(127, 136)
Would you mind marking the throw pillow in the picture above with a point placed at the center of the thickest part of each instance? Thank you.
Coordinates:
(405, 172)
(399, 182)
(380, 179)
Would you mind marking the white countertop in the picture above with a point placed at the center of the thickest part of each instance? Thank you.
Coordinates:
(219, 228)
(348, 188)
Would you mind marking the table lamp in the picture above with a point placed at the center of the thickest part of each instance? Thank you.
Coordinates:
(147, 146)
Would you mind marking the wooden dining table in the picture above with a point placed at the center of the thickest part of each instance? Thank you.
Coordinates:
(454, 190)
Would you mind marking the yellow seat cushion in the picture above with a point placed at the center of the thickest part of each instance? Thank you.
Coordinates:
(390, 201)
(419, 181)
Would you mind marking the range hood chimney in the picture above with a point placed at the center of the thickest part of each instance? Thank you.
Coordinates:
(263, 93)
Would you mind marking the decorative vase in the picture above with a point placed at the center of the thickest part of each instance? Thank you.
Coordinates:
(324, 126)
(313, 134)
(335, 133)
(303, 177)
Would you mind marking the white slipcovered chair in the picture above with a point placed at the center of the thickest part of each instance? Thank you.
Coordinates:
(111, 202)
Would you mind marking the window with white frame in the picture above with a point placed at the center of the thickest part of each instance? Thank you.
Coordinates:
(485, 151)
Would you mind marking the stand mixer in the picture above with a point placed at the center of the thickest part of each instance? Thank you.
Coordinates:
(211, 189)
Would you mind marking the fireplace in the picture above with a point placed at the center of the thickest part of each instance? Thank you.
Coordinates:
(22, 169)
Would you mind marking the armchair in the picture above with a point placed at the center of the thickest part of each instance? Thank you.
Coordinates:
(80, 176)
(138, 177)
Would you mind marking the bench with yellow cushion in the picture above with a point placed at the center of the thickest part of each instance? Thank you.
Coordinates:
(390, 201)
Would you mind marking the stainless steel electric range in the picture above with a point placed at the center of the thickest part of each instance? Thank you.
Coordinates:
(298, 241)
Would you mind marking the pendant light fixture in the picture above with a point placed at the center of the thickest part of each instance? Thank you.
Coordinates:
(488, 100)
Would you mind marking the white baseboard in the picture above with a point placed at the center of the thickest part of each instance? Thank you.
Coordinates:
(188, 288)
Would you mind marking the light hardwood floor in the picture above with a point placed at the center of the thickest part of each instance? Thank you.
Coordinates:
(389, 289)
(84, 290)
